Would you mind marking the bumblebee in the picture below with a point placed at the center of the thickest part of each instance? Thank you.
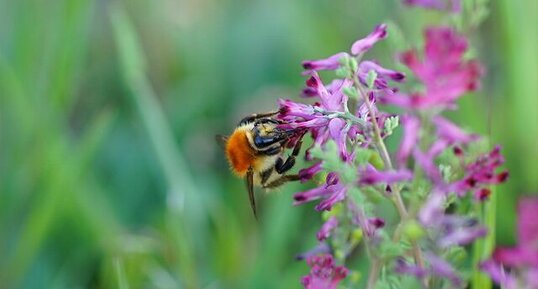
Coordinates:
(255, 151)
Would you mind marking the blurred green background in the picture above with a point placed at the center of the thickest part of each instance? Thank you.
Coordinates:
(109, 173)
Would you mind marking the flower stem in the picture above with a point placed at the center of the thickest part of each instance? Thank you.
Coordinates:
(397, 197)
(374, 272)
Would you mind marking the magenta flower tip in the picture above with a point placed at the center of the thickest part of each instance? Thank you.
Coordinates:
(307, 173)
(327, 228)
(362, 45)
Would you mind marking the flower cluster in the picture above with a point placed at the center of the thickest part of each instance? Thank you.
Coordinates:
(435, 167)
(324, 274)
(517, 267)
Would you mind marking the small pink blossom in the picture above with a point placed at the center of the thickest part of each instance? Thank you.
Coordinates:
(329, 63)
(331, 193)
(443, 70)
(327, 228)
(324, 274)
(362, 45)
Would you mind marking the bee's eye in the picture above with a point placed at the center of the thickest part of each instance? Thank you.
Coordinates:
(264, 141)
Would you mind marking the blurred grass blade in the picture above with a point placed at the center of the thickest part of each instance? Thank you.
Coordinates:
(483, 248)
(120, 274)
(174, 166)
(133, 67)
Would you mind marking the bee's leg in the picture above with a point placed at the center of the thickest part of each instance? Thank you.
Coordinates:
(265, 175)
(256, 116)
(284, 166)
(280, 181)
(268, 120)
(272, 151)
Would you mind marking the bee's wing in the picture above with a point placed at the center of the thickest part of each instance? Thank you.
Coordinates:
(221, 140)
(250, 189)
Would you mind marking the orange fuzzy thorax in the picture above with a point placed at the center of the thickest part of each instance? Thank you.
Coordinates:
(240, 155)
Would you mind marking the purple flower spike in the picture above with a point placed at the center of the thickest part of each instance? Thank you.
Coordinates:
(499, 275)
(460, 232)
(338, 131)
(426, 161)
(382, 73)
(403, 267)
(411, 126)
(482, 194)
(337, 194)
(327, 228)
(371, 176)
(433, 209)
(443, 269)
(310, 195)
(329, 63)
(522, 259)
(310, 172)
(452, 133)
(527, 227)
(363, 45)
(443, 71)
(526, 252)
(437, 267)
(299, 116)
(377, 223)
(324, 273)
(481, 173)
(290, 110)
(331, 192)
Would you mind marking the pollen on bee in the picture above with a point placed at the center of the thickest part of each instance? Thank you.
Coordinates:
(239, 153)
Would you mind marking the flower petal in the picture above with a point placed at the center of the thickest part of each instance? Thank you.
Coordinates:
(362, 45)
(329, 63)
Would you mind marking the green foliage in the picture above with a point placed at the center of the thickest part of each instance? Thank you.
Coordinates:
(370, 78)
(391, 124)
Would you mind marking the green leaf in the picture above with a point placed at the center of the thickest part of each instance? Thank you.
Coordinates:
(370, 79)
(391, 124)
(363, 155)
(351, 92)
(376, 160)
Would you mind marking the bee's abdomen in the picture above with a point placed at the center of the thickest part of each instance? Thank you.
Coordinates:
(239, 153)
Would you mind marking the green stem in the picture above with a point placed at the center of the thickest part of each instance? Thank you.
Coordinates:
(374, 272)
(397, 197)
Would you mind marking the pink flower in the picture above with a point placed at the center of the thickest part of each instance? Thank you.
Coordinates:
(331, 193)
(324, 274)
(523, 258)
(383, 74)
(497, 273)
(362, 45)
(526, 252)
(327, 228)
(451, 133)
(443, 71)
(359, 47)
(371, 176)
(481, 173)
(438, 267)
(411, 126)
(329, 63)
(307, 173)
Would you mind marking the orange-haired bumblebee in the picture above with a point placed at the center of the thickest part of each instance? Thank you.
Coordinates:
(255, 152)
